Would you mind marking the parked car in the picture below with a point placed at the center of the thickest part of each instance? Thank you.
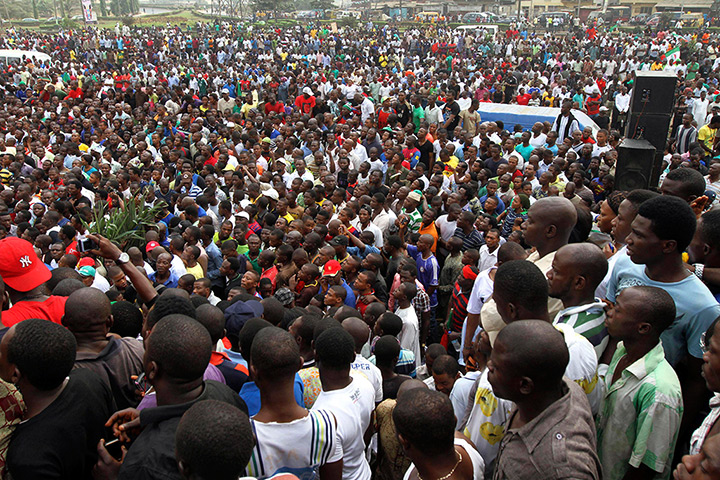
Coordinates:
(639, 19)
(474, 17)
(30, 21)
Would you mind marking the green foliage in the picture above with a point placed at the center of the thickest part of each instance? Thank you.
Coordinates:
(128, 21)
(122, 8)
(125, 226)
(69, 23)
(348, 22)
(271, 5)
(321, 4)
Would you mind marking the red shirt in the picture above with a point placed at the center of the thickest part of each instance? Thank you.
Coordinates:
(383, 117)
(77, 93)
(271, 273)
(360, 304)
(72, 249)
(305, 105)
(279, 107)
(595, 108)
(51, 309)
(524, 99)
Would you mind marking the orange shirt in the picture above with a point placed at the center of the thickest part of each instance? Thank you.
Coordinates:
(430, 230)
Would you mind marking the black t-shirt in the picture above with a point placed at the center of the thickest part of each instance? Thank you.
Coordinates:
(498, 95)
(403, 113)
(61, 441)
(152, 455)
(391, 387)
(452, 108)
(382, 189)
(425, 150)
(602, 122)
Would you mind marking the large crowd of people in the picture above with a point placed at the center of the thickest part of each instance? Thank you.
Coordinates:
(339, 268)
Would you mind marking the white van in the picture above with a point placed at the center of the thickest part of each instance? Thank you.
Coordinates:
(8, 57)
(484, 28)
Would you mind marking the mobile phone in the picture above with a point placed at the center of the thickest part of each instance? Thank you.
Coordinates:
(86, 244)
(114, 448)
(141, 383)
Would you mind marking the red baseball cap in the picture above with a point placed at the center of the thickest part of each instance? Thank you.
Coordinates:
(331, 268)
(20, 267)
(85, 262)
(150, 246)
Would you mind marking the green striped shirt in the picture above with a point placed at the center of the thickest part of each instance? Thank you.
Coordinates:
(589, 321)
(640, 416)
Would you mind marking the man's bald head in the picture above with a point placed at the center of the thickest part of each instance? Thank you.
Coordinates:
(86, 310)
(585, 259)
(358, 330)
(157, 251)
(550, 219)
(411, 384)
(543, 360)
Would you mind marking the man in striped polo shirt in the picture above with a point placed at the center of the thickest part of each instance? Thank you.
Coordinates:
(577, 270)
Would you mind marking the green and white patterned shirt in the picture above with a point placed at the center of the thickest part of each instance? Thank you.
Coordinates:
(415, 220)
(589, 321)
(640, 416)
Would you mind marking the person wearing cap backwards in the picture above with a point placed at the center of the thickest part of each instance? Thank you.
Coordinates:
(87, 275)
(331, 276)
(305, 102)
(602, 120)
(410, 216)
(25, 275)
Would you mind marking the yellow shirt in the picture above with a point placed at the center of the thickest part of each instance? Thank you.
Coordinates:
(559, 184)
(451, 165)
(706, 135)
(195, 271)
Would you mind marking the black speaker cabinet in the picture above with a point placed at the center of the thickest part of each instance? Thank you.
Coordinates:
(653, 92)
(636, 160)
(653, 127)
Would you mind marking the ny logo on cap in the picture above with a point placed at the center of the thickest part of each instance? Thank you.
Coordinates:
(25, 261)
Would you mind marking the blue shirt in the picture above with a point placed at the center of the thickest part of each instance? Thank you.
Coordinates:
(695, 305)
(235, 357)
(215, 260)
(428, 271)
(501, 205)
(368, 250)
(171, 282)
(349, 298)
(251, 394)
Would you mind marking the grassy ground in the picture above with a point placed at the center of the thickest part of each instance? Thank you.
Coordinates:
(176, 17)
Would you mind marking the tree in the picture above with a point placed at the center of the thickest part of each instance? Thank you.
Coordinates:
(321, 5)
(270, 5)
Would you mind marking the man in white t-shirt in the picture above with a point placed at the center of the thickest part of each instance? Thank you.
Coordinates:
(360, 332)
(447, 224)
(350, 398)
(531, 303)
(288, 437)
(409, 336)
(483, 287)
